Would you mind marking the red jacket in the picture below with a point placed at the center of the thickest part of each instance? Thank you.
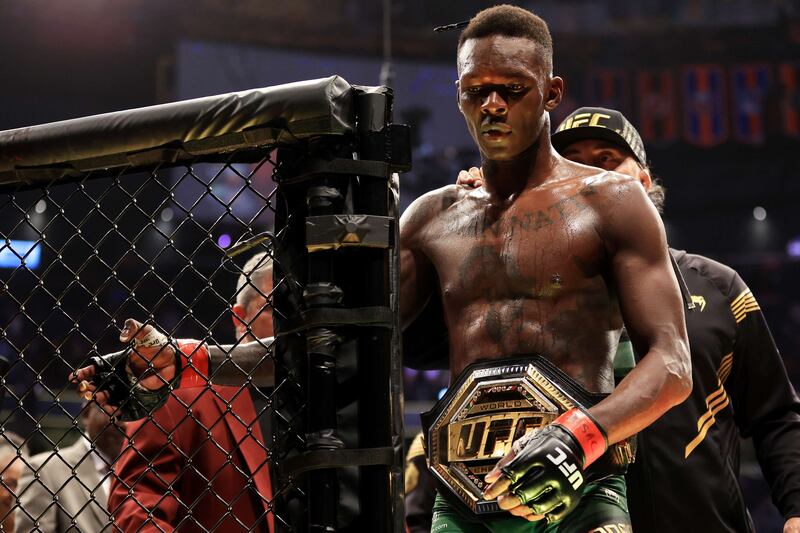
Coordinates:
(175, 466)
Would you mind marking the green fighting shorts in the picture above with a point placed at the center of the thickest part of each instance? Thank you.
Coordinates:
(603, 509)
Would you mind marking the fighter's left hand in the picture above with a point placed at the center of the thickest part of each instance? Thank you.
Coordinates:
(509, 502)
(792, 525)
(546, 477)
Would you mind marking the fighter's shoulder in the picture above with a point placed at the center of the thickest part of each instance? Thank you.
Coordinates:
(431, 204)
(607, 184)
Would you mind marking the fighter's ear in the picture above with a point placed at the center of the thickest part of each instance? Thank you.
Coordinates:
(555, 92)
(645, 178)
(238, 314)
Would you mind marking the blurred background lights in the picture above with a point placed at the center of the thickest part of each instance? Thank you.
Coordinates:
(167, 214)
(224, 240)
(759, 213)
(793, 247)
(40, 207)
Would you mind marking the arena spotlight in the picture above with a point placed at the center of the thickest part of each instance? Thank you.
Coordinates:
(793, 248)
(759, 213)
(16, 253)
(224, 240)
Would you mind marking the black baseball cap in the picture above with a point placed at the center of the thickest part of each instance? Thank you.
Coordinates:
(599, 123)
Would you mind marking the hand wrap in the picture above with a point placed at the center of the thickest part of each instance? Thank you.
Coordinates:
(134, 402)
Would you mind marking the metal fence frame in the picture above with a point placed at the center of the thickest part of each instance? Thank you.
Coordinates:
(336, 450)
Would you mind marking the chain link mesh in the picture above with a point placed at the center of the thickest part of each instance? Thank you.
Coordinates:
(150, 246)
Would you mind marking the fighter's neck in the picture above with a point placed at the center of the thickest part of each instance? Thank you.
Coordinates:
(506, 179)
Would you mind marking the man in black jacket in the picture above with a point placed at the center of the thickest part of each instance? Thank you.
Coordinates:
(685, 477)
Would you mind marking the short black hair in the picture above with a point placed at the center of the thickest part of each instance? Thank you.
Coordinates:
(510, 21)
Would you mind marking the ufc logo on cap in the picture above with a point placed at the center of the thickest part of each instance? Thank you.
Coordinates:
(583, 119)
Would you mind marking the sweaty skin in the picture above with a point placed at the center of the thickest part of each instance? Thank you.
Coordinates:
(549, 257)
(525, 278)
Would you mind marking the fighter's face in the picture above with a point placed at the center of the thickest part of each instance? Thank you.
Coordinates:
(504, 90)
(605, 155)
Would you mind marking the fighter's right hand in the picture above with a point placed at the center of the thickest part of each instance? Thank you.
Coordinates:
(151, 362)
(152, 358)
(473, 178)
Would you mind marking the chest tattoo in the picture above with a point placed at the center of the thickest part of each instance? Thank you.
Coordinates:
(483, 223)
(486, 271)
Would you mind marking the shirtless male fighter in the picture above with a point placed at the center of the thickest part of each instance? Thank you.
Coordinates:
(544, 259)
(740, 386)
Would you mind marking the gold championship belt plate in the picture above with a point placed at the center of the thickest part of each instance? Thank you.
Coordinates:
(489, 407)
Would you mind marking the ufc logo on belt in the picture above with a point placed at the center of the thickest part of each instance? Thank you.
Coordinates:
(569, 470)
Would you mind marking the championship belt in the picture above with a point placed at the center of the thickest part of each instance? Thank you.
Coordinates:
(491, 405)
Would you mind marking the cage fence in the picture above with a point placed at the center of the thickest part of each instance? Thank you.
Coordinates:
(265, 233)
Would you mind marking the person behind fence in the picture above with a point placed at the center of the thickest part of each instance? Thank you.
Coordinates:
(548, 257)
(13, 460)
(67, 489)
(201, 462)
(740, 383)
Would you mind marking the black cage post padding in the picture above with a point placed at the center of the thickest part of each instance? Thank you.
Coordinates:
(178, 132)
(339, 220)
(108, 252)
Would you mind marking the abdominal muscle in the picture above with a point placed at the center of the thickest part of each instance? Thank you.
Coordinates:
(579, 344)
